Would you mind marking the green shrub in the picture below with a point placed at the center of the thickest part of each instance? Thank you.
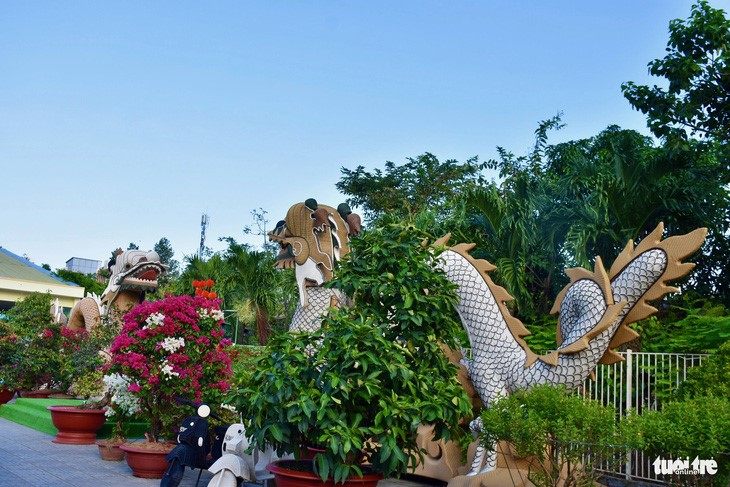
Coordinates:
(697, 427)
(558, 430)
(363, 383)
(691, 324)
(712, 378)
(243, 362)
(44, 352)
(543, 334)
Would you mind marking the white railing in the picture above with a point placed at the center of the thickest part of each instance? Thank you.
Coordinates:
(643, 381)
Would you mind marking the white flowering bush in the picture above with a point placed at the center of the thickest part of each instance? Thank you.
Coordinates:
(122, 401)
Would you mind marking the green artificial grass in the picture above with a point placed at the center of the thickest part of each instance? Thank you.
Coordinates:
(33, 413)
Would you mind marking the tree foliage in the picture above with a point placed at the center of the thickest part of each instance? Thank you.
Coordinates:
(87, 281)
(253, 282)
(697, 69)
(404, 191)
(564, 204)
(558, 432)
(167, 256)
(695, 427)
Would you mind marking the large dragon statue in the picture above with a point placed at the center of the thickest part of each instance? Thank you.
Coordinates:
(595, 309)
(133, 273)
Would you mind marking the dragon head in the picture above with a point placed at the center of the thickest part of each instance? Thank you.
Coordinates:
(133, 271)
(313, 237)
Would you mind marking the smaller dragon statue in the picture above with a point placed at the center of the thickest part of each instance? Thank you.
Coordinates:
(133, 273)
(313, 238)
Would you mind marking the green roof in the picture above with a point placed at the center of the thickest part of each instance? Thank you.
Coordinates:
(15, 267)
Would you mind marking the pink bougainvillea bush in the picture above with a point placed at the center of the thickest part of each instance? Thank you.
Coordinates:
(167, 349)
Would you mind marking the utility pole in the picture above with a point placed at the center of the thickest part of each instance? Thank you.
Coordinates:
(203, 225)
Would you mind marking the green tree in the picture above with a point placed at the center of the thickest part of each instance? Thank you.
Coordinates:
(253, 283)
(167, 256)
(360, 386)
(404, 191)
(693, 115)
(87, 281)
(198, 269)
(567, 203)
(132, 246)
(697, 68)
(509, 225)
(618, 186)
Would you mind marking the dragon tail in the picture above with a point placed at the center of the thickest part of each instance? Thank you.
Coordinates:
(641, 274)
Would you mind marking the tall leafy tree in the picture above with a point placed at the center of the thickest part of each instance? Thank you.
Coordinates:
(565, 204)
(697, 69)
(618, 186)
(692, 115)
(508, 223)
(167, 256)
(403, 192)
(88, 281)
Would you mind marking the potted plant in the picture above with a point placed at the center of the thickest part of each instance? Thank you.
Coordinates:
(359, 387)
(8, 367)
(34, 359)
(120, 407)
(167, 349)
(80, 357)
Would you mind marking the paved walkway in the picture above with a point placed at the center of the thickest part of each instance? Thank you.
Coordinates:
(28, 458)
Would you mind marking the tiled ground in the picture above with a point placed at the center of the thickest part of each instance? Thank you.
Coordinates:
(29, 458)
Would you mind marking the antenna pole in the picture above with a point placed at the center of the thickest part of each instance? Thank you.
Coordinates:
(203, 225)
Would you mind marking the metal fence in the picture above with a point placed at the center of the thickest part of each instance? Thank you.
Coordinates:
(643, 381)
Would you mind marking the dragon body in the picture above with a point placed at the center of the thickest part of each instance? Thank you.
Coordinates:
(595, 309)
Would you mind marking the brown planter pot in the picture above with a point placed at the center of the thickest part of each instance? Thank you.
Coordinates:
(6, 395)
(147, 460)
(41, 394)
(76, 426)
(309, 452)
(298, 473)
(110, 451)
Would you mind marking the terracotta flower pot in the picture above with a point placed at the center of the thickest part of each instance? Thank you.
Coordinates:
(110, 451)
(298, 473)
(147, 460)
(6, 395)
(39, 394)
(76, 426)
(309, 452)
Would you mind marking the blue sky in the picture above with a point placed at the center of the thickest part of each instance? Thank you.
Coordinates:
(125, 121)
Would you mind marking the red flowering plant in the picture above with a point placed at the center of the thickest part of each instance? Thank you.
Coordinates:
(8, 357)
(171, 348)
(36, 352)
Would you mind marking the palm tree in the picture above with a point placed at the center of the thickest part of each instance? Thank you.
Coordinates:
(618, 186)
(253, 282)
